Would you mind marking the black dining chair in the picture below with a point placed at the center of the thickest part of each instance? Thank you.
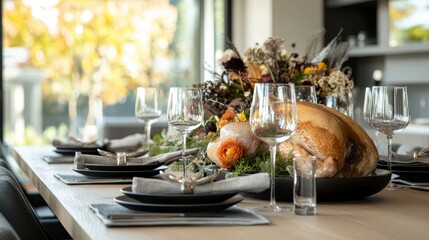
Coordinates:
(37, 202)
(17, 210)
(6, 230)
(44, 215)
(34, 197)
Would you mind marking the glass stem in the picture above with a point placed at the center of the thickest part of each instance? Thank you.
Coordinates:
(273, 152)
(147, 131)
(183, 135)
(389, 152)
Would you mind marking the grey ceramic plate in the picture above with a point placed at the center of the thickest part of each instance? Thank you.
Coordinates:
(136, 167)
(182, 208)
(179, 198)
(119, 174)
(72, 151)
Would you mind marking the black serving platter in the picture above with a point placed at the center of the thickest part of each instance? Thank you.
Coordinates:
(332, 189)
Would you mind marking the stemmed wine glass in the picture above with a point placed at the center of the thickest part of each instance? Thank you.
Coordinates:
(273, 120)
(367, 111)
(367, 105)
(185, 113)
(390, 115)
(306, 93)
(147, 108)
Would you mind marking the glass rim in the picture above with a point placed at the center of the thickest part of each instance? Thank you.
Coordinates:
(184, 87)
(147, 87)
(274, 84)
(389, 87)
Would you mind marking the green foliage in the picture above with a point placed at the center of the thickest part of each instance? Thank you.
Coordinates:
(163, 144)
(260, 162)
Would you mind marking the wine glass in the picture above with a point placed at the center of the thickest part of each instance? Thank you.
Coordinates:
(185, 113)
(273, 120)
(390, 115)
(367, 112)
(306, 93)
(367, 106)
(147, 108)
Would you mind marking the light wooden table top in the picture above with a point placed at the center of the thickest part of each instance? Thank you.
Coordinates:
(386, 215)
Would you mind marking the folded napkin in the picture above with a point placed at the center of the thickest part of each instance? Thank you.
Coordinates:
(72, 142)
(405, 159)
(129, 143)
(251, 183)
(166, 158)
(405, 149)
(116, 215)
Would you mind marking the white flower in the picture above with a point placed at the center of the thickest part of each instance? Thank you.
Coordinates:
(227, 55)
(336, 84)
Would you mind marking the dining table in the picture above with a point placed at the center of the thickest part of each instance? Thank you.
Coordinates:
(400, 214)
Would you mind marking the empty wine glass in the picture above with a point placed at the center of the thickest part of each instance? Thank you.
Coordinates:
(367, 106)
(367, 112)
(273, 120)
(390, 115)
(306, 93)
(185, 113)
(147, 108)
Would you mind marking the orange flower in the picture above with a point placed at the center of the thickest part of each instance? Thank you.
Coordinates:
(229, 152)
(228, 115)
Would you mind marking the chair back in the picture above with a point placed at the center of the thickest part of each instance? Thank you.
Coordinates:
(4, 164)
(17, 210)
(6, 230)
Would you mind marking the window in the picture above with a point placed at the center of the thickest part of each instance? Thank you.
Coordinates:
(409, 22)
(69, 63)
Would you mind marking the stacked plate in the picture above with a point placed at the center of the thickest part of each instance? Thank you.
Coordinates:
(71, 150)
(178, 202)
(407, 169)
(125, 171)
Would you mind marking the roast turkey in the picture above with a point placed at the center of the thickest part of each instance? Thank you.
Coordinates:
(342, 147)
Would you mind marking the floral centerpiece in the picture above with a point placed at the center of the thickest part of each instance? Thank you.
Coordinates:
(228, 96)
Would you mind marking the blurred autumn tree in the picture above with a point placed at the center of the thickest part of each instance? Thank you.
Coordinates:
(87, 48)
(400, 11)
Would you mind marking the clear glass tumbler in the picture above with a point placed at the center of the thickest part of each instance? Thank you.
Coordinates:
(304, 185)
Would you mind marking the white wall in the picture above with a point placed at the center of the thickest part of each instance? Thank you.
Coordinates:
(293, 20)
(296, 20)
(252, 22)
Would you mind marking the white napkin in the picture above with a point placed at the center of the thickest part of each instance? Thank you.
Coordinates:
(166, 158)
(252, 183)
(72, 142)
(128, 143)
